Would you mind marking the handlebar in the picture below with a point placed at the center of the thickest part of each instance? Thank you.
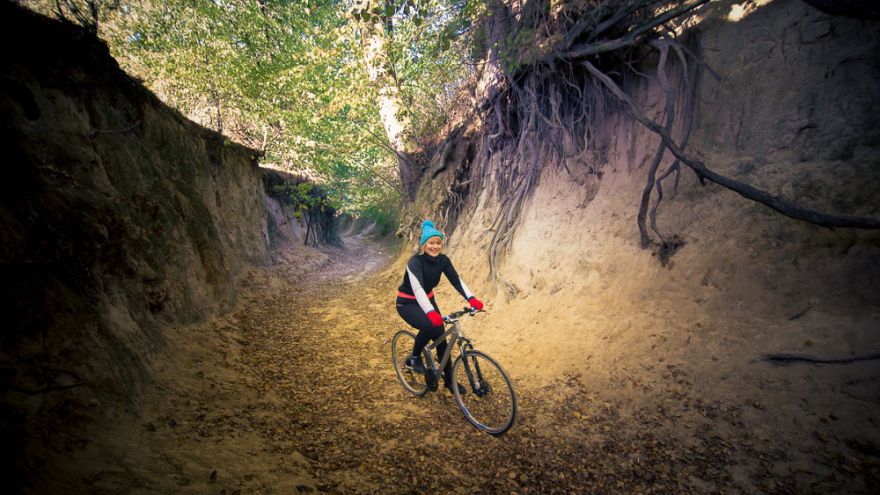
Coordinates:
(467, 310)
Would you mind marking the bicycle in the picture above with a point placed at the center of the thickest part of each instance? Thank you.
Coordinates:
(489, 402)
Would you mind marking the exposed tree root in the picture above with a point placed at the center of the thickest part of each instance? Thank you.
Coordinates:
(801, 312)
(549, 112)
(689, 83)
(633, 36)
(547, 103)
(645, 240)
(785, 358)
(667, 248)
(781, 205)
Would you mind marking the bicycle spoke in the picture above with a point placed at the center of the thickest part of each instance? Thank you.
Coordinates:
(401, 347)
(490, 403)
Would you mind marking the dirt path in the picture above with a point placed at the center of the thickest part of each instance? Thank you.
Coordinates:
(294, 392)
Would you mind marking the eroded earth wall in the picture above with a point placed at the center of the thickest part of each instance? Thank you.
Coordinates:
(118, 217)
(787, 102)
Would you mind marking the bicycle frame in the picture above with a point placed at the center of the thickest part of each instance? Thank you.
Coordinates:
(474, 376)
(460, 340)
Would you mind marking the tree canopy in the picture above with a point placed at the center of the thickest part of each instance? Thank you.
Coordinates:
(289, 78)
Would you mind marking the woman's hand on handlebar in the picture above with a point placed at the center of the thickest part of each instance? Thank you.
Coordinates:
(464, 311)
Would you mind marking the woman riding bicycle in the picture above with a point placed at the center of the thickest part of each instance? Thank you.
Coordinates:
(415, 298)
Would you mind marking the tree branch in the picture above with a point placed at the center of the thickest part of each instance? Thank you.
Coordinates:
(384, 143)
(632, 37)
(784, 207)
(786, 358)
(690, 84)
(645, 240)
(588, 21)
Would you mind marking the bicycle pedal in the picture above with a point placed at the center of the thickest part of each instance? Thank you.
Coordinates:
(413, 370)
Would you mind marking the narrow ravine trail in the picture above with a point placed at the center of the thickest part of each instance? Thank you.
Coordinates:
(294, 392)
(318, 344)
(330, 362)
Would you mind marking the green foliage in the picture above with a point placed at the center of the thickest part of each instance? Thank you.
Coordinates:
(430, 49)
(282, 77)
(384, 215)
(302, 197)
(288, 77)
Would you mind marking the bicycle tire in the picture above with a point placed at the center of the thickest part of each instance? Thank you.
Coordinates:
(490, 402)
(401, 348)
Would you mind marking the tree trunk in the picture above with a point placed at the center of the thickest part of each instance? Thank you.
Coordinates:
(382, 75)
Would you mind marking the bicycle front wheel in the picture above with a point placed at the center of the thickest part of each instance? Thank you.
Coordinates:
(489, 402)
(401, 348)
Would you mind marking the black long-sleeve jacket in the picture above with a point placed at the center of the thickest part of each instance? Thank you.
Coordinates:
(423, 274)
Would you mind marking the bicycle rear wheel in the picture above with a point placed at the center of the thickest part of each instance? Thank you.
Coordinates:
(490, 403)
(401, 348)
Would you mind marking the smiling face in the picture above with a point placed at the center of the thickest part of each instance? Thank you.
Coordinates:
(433, 246)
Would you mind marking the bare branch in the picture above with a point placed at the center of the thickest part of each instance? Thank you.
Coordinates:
(588, 21)
(633, 36)
(675, 168)
(619, 15)
(788, 358)
(690, 89)
(645, 240)
(384, 143)
(703, 173)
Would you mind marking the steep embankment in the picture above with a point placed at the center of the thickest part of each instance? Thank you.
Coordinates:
(632, 376)
(118, 217)
(787, 100)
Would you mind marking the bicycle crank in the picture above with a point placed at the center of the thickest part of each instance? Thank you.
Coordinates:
(431, 380)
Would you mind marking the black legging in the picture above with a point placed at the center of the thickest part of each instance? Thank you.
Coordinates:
(412, 313)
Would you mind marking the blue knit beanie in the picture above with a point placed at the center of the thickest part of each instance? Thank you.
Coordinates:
(429, 231)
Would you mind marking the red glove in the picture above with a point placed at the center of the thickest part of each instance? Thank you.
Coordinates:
(476, 303)
(435, 318)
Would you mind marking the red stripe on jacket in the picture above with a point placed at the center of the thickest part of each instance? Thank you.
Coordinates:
(410, 296)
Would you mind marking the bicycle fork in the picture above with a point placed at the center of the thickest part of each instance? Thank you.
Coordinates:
(431, 373)
(472, 370)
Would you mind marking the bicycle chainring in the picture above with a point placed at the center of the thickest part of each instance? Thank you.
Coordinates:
(431, 380)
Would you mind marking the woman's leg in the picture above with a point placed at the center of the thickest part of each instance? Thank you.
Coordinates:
(413, 315)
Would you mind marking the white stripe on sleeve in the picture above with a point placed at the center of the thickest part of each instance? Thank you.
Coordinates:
(467, 291)
(419, 292)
